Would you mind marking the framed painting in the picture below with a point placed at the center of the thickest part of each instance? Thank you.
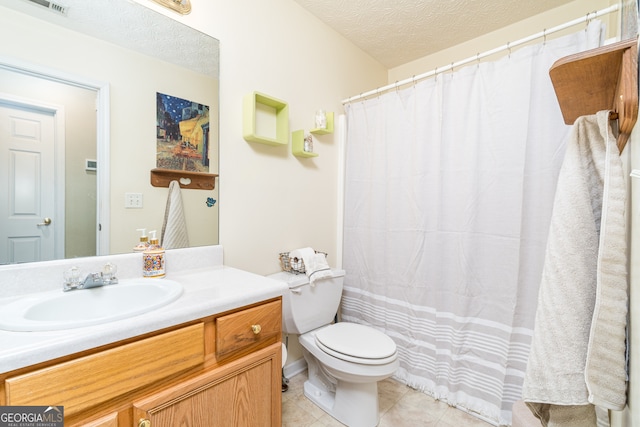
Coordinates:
(182, 134)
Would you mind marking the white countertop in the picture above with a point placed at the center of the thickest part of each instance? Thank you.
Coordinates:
(207, 291)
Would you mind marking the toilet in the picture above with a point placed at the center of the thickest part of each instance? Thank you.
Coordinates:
(345, 360)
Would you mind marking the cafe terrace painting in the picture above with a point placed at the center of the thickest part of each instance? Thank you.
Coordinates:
(182, 131)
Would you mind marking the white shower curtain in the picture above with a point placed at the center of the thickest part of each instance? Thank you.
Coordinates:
(448, 196)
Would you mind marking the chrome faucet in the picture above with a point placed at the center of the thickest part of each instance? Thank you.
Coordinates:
(93, 280)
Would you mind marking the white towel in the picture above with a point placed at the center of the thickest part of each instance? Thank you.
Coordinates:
(315, 264)
(577, 355)
(174, 229)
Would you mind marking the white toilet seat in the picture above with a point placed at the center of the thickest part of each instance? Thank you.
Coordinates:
(356, 343)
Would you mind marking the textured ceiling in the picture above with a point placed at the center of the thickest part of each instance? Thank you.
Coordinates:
(395, 32)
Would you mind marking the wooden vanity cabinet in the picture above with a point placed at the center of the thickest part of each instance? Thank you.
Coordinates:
(223, 370)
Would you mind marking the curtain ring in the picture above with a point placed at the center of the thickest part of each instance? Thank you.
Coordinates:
(588, 20)
(478, 59)
(451, 69)
(509, 49)
(435, 74)
(413, 79)
(544, 37)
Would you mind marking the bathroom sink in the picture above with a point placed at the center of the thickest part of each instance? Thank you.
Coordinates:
(57, 310)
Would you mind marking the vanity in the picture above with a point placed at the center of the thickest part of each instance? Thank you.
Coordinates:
(210, 357)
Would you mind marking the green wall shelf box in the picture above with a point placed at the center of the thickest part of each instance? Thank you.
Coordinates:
(328, 129)
(297, 145)
(256, 100)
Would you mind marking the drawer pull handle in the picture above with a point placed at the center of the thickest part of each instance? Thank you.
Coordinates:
(256, 329)
(144, 423)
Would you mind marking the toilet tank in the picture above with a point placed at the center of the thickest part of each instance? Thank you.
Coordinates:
(306, 307)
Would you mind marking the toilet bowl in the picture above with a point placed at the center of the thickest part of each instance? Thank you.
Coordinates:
(343, 380)
(345, 360)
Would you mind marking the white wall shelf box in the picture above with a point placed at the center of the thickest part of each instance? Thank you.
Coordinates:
(328, 129)
(256, 100)
(297, 145)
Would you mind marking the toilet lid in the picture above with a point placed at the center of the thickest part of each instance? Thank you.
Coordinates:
(356, 343)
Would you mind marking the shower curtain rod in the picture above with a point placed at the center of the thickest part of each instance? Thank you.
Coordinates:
(479, 56)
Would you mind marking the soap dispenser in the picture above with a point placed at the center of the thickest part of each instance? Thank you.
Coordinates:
(144, 241)
(153, 259)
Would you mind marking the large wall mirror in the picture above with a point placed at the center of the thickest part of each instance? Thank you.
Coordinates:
(81, 121)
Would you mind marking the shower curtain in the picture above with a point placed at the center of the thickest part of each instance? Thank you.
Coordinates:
(449, 187)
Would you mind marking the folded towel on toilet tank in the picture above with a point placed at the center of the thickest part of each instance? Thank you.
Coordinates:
(315, 264)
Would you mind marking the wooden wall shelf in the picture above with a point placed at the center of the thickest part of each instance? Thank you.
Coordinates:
(605, 78)
(191, 180)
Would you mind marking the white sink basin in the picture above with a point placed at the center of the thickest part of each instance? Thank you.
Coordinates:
(56, 310)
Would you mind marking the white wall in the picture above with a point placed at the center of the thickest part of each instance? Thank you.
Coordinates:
(272, 201)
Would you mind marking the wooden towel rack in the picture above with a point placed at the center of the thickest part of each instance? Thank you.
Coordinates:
(605, 78)
(186, 179)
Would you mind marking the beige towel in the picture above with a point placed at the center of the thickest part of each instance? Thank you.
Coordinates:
(578, 350)
(174, 229)
(605, 371)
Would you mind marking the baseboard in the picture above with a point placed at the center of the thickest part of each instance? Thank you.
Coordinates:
(294, 368)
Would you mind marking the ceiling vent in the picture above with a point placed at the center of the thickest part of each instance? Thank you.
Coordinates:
(52, 5)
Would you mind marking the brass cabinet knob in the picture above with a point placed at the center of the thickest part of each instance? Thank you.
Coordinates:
(144, 423)
(256, 329)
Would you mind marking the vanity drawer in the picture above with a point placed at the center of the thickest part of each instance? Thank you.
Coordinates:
(239, 330)
(90, 380)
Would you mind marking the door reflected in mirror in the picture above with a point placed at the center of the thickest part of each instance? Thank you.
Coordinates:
(90, 101)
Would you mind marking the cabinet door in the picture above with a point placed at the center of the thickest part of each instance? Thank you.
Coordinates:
(110, 420)
(244, 392)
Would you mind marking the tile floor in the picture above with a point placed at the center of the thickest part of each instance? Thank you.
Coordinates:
(400, 406)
